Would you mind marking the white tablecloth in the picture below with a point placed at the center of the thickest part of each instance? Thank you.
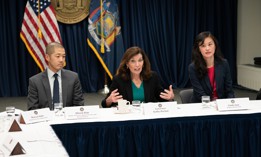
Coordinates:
(39, 139)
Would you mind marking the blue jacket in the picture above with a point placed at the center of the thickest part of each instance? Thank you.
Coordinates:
(202, 86)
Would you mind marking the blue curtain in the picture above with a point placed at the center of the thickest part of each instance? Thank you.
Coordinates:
(165, 29)
(202, 136)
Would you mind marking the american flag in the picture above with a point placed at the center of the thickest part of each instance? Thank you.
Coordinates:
(39, 28)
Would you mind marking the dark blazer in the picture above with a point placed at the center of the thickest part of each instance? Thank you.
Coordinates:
(258, 96)
(152, 89)
(39, 92)
(202, 86)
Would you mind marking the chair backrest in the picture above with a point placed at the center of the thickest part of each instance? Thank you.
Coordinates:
(258, 97)
(185, 95)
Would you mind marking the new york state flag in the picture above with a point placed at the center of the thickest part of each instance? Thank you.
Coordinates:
(104, 36)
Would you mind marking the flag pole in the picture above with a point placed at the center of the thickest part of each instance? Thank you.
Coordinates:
(39, 21)
(102, 35)
(105, 90)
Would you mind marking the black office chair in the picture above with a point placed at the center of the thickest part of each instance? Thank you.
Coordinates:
(186, 95)
(258, 97)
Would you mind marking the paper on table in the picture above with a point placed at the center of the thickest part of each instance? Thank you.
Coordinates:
(40, 132)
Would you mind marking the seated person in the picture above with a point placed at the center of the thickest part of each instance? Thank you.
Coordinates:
(209, 72)
(134, 80)
(55, 84)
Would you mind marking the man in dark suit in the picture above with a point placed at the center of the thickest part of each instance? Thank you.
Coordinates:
(55, 84)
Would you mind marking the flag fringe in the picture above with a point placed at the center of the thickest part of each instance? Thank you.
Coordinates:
(100, 59)
(31, 52)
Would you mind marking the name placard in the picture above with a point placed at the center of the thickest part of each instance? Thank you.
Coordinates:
(233, 104)
(35, 116)
(12, 147)
(159, 108)
(81, 112)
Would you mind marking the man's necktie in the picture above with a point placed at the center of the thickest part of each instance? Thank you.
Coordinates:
(56, 98)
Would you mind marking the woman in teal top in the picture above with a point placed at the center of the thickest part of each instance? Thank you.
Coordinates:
(134, 80)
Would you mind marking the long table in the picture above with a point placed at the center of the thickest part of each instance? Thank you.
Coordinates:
(37, 140)
(191, 131)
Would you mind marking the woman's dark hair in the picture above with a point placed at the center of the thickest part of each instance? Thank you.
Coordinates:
(124, 72)
(197, 58)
